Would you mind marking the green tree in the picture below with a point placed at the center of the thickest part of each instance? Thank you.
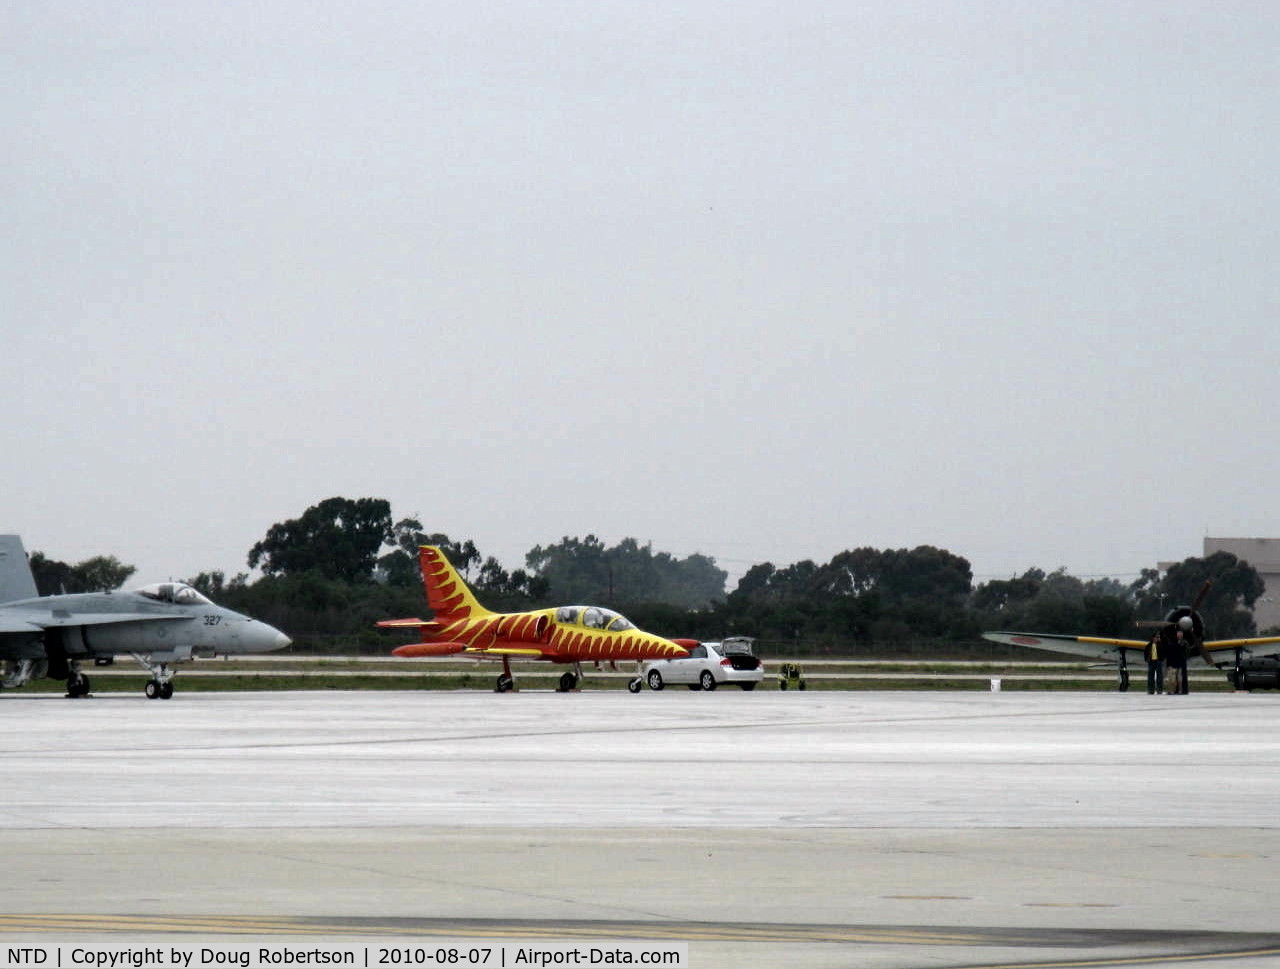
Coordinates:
(102, 573)
(1227, 606)
(339, 539)
(585, 570)
(214, 584)
(1008, 596)
(1054, 603)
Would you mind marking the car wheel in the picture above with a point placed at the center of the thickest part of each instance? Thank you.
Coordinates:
(654, 679)
(706, 680)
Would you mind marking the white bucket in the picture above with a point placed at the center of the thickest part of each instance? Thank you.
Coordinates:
(995, 686)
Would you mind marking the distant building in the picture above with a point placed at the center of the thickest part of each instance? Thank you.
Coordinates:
(1264, 555)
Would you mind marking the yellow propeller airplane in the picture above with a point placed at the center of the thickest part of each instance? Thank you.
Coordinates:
(567, 634)
(1182, 626)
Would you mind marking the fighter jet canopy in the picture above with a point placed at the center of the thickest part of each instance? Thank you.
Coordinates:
(178, 593)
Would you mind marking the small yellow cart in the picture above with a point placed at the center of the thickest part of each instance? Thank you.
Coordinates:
(790, 677)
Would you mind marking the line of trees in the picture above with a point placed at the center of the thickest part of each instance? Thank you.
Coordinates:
(329, 574)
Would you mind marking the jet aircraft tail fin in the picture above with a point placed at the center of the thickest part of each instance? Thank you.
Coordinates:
(447, 595)
(16, 581)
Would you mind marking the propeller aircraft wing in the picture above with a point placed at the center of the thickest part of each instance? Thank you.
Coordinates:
(1103, 648)
(1094, 646)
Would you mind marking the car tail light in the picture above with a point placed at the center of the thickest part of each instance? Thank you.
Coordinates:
(725, 662)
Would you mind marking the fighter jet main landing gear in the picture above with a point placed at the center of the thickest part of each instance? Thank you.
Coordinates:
(77, 682)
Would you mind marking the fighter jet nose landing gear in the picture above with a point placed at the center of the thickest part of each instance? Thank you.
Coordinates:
(160, 686)
(159, 690)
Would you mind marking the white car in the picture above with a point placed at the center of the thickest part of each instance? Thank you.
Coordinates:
(707, 666)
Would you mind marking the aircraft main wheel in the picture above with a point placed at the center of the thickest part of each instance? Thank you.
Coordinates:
(634, 685)
(567, 682)
(166, 691)
(706, 680)
(655, 680)
(77, 685)
(504, 684)
(152, 689)
(695, 686)
(747, 686)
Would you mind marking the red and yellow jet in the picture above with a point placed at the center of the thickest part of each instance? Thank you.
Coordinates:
(567, 634)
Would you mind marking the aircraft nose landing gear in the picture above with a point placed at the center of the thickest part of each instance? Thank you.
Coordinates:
(159, 689)
(160, 686)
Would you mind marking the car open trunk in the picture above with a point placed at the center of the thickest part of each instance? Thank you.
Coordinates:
(738, 651)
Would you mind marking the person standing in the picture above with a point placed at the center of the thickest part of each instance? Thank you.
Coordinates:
(1176, 656)
(1155, 665)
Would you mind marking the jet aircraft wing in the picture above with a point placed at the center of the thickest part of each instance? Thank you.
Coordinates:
(471, 652)
(36, 620)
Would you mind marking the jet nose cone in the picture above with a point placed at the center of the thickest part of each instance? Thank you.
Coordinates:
(261, 638)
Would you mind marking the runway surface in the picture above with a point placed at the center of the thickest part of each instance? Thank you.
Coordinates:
(817, 829)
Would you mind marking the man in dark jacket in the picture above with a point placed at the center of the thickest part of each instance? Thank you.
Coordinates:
(1175, 655)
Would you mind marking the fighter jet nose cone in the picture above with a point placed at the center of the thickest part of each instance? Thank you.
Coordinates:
(281, 641)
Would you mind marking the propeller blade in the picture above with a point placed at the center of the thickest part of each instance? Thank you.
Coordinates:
(1204, 591)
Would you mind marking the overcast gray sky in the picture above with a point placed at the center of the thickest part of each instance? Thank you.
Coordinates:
(759, 280)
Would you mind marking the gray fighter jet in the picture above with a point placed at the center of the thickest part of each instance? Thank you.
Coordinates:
(158, 625)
